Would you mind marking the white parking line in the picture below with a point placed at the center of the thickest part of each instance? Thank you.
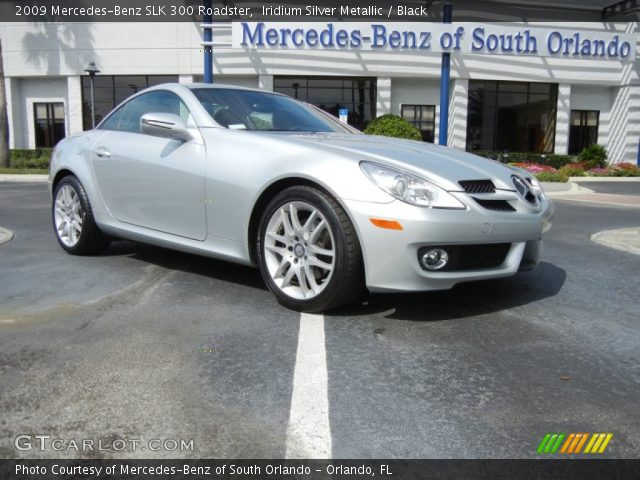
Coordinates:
(309, 432)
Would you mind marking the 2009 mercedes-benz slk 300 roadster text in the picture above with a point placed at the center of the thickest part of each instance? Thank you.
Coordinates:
(323, 210)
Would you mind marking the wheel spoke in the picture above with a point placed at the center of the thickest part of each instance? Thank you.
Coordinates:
(286, 280)
(288, 229)
(75, 233)
(316, 250)
(67, 230)
(61, 226)
(276, 237)
(320, 264)
(295, 221)
(311, 278)
(66, 196)
(278, 250)
(309, 222)
(302, 281)
(279, 271)
(316, 231)
(76, 207)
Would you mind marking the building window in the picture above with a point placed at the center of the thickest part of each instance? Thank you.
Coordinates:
(49, 124)
(356, 94)
(111, 90)
(583, 130)
(511, 116)
(422, 117)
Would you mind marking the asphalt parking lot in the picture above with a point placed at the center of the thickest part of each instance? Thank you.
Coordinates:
(143, 342)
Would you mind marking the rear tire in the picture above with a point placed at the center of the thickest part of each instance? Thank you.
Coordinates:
(308, 251)
(73, 222)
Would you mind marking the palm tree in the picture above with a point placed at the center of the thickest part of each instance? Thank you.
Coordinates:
(4, 124)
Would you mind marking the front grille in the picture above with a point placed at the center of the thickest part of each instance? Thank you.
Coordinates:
(471, 257)
(497, 205)
(478, 186)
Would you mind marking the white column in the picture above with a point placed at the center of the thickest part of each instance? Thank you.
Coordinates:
(458, 107)
(563, 119)
(436, 126)
(185, 78)
(11, 118)
(265, 82)
(624, 128)
(74, 105)
(383, 96)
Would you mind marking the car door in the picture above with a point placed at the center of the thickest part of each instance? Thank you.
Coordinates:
(150, 181)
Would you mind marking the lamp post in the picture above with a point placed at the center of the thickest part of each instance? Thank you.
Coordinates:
(445, 73)
(92, 70)
(208, 38)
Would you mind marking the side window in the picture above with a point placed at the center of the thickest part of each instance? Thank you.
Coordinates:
(127, 118)
(112, 122)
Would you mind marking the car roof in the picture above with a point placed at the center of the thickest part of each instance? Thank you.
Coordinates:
(174, 86)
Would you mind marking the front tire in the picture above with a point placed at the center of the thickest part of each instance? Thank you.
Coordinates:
(73, 222)
(308, 251)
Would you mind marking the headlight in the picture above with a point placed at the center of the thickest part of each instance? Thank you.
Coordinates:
(409, 188)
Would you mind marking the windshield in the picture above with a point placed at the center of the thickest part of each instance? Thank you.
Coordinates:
(250, 110)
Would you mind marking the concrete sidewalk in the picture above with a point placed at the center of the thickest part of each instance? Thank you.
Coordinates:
(625, 239)
(5, 235)
(23, 178)
(602, 198)
(576, 191)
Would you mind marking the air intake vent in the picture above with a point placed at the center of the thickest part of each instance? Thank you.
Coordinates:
(478, 186)
(496, 205)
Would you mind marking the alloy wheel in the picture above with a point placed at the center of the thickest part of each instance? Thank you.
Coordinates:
(68, 215)
(299, 250)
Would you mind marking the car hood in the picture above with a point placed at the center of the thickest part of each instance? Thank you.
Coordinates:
(441, 165)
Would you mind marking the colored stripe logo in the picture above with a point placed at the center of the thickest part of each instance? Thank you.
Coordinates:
(573, 443)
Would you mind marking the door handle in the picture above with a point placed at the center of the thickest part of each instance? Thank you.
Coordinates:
(103, 152)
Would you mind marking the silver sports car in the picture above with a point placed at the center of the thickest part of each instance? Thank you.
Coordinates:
(322, 210)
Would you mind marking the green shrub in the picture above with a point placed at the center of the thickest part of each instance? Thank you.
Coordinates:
(594, 156)
(552, 177)
(28, 159)
(558, 161)
(393, 126)
(573, 170)
(522, 157)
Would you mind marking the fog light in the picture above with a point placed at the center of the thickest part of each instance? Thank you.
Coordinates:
(434, 259)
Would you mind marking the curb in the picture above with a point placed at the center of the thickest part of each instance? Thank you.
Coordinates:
(604, 179)
(26, 178)
(624, 239)
(5, 235)
(574, 189)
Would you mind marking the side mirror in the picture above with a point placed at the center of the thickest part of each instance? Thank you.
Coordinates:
(166, 125)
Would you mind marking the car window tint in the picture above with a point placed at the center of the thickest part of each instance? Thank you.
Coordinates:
(238, 109)
(113, 121)
(127, 118)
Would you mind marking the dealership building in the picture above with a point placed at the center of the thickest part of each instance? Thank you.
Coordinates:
(514, 87)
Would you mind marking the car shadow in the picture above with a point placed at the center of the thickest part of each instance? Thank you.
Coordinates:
(465, 299)
(188, 263)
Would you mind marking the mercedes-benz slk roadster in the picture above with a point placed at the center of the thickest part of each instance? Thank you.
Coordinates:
(322, 210)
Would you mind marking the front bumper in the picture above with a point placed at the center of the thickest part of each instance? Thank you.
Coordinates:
(391, 256)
